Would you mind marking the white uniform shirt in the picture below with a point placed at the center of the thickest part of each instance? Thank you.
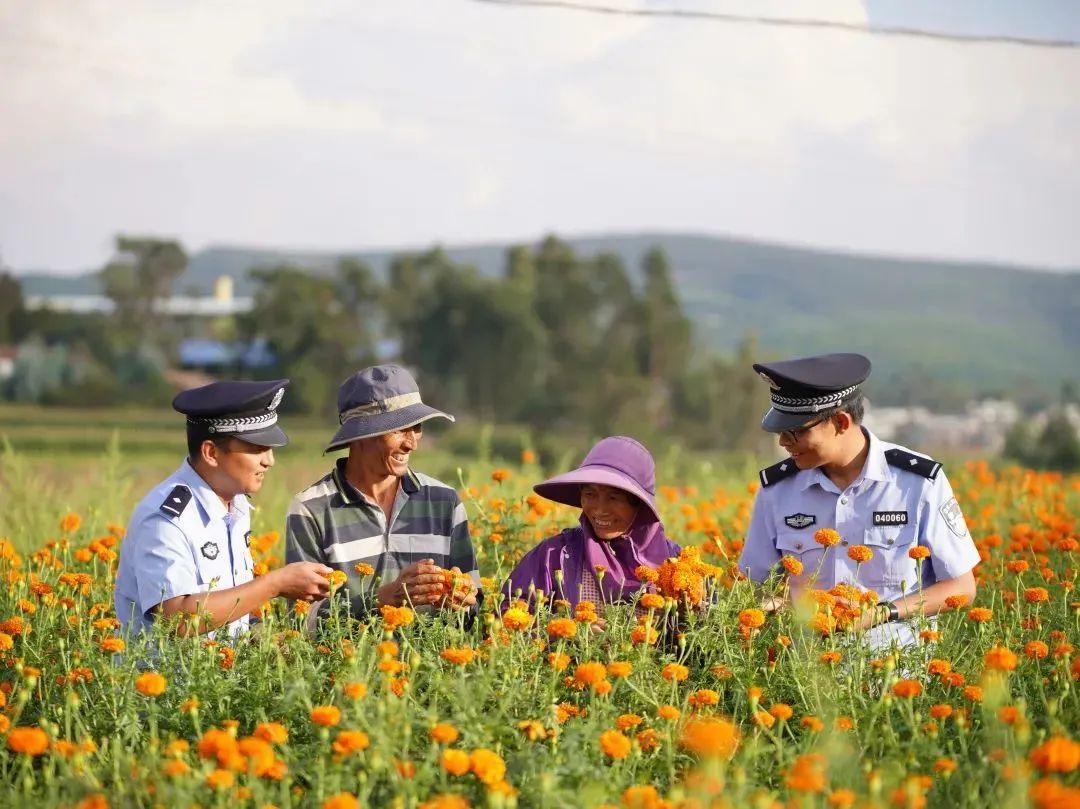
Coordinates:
(179, 544)
(886, 508)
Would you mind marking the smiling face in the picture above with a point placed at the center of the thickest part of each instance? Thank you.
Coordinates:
(610, 511)
(238, 467)
(388, 454)
(812, 446)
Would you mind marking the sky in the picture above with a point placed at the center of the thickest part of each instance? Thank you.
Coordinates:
(391, 123)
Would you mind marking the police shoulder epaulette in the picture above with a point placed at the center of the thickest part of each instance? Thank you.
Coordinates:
(919, 464)
(177, 501)
(777, 472)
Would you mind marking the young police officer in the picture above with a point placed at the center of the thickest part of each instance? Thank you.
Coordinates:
(186, 550)
(840, 475)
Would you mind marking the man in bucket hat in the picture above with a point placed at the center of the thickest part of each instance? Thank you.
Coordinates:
(394, 532)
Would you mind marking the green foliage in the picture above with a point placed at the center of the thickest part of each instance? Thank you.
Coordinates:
(1055, 446)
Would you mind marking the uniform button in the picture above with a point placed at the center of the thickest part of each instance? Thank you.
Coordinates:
(890, 541)
(798, 546)
(844, 542)
(843, 501)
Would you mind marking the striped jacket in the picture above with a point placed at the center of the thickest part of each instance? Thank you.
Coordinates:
(332, 523)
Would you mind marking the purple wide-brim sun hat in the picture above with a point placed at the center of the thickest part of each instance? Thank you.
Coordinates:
(379, 400)
(617, 461)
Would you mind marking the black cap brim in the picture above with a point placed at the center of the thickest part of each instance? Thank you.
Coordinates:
(272, 436)
(776, 421)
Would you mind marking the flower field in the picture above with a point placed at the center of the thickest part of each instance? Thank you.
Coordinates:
(673, 704)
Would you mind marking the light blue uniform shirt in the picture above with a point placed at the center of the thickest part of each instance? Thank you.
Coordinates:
(887, 508)
(164, 555)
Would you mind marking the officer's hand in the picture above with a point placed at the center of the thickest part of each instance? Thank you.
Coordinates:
(302, 581)
(464, 591)
(867, 617)
(420, 583)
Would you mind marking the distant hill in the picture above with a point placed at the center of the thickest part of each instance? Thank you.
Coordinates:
(982, 325)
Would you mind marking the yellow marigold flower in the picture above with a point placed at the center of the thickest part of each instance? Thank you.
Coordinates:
(272, 732)
(348, 742)
(487, 766)
(326, 715)
(558, 660)
(710, 737)
(675, 672)
(455, 762)
(336, 578)
(562, 628)
(29, 741)
(516, 619)
(342, 800)
(620, 669)
(614, 744)
(860, 553)
(150, 684)
(443, 733)
(826, 537)
(113, 645)
(1000, 658)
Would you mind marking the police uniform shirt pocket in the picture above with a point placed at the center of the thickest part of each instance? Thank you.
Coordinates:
(890, 567)
(801, 545)
(212, 561)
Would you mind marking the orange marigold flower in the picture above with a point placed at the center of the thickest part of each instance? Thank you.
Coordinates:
(1036, 649)
(176, 767)
(652, 601)
(906, 689)
(459, 656)
(939, 667)
(516, 619)
(29, 741)
(562, 628)
(351, 741)
(614, 744)
(628, 721)
(980, 615)
(443, 733)
(781, 711)
(812, 723)
(395, 617)
(919, 552)
(499, 475)
(1000, 658)
(355, 690)
(642, 797)
(1036, 595)
(646, 574)
(792, 565)
(675, 672)
(973, 693)
(648, 739)
(955, 602)
(841, 799)
(751, 618)
(342, 800)
(487, 765)
(590, 673)
(1057, 754)
(113, 645)
(364, 569)
(944, 766)
(826, 537)
(619, 668)
(1017, 566)
(831, 658)
(1010, 714)
(558, 660)
(272, 732)
(455, 762)
(704, 697)
(668, 712)
(844, 723)
(150, 684)
(710, 737)
(326, 715)
(806, 773)
(860, 553)
(220, 779)
(644, 634)
(70, 523)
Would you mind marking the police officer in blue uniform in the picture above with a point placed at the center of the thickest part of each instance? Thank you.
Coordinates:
(839, 475)
(186, 550)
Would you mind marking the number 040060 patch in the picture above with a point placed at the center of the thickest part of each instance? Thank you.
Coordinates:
(954, 518)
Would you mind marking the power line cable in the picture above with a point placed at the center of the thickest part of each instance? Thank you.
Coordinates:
(787, 22)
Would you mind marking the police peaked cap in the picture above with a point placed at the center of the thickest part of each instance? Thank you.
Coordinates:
(246, 410)
(802, 388)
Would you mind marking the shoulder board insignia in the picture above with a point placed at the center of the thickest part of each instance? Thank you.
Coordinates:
(177, 501)
(919, 464)
(777, 472)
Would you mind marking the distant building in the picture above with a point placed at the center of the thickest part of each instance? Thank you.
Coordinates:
(980, 428)
(215, 356)
(220, 303)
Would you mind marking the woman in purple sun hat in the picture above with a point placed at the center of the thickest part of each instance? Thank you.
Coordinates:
(620, 529)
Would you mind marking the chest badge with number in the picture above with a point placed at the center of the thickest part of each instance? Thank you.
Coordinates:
(209, 550)
(799, 520)
(890, 518)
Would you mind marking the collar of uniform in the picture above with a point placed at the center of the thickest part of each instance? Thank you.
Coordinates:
(209, 502)
(875, 467)
(351, 495)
